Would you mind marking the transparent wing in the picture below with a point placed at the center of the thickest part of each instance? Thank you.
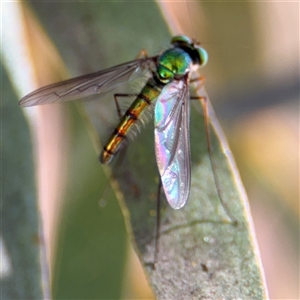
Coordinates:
(94, 83)
(172, 148)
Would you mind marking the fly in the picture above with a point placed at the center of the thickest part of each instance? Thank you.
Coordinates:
(167, 89)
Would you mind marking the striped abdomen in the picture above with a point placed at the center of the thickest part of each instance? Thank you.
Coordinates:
(144, 99)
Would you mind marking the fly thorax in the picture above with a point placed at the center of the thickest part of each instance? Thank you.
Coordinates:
(173, 63)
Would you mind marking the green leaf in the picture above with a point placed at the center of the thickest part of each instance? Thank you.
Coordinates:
(23, 258)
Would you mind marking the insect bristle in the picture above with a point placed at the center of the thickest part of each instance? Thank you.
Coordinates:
(145, 117)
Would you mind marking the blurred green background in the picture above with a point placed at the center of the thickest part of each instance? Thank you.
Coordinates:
(252, 79)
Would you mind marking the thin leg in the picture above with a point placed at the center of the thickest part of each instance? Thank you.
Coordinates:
(117, 102)
(157, 222)
(142, 54)
(210, 152)
(203, 100)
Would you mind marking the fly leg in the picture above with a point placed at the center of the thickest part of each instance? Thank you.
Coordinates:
(204, 103)
(117, 102)
(156, 247)
(142, 54)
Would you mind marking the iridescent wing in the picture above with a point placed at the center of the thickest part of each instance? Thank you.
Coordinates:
(94, 83)
(172, 148)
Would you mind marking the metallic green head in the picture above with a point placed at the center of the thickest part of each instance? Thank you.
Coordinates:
(177, 61)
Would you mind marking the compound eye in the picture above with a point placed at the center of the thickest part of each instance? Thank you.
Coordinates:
(165, 75)
(203, 55)
(181, 39)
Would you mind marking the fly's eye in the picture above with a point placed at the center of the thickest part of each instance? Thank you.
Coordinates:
(165, 75)
(181, 39)
(203, 56)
